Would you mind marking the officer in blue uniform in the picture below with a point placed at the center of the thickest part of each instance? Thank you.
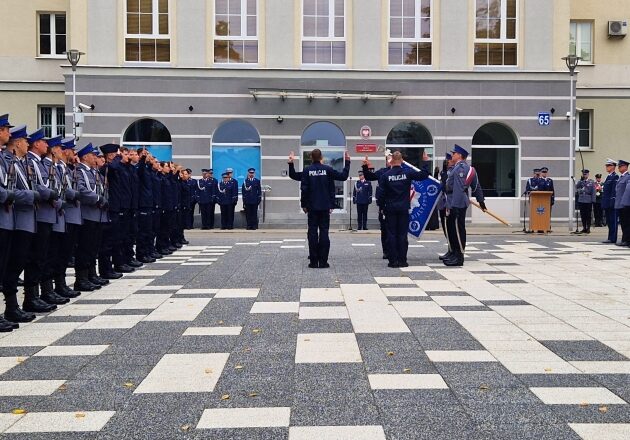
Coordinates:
(546, 183)
(132, 232)
(462, 179)
(182, 177)
(447, 166)
(192, 184)
(234, 191)
(206, 197)
(293, 175)
(317, 198)
(156, 213)
(362, 197)
(7, 197)
(608, 200)
(144, 245)
(396, 184)
(252, 194)
(533, 183)
(371, 176)
(226, 193)
(622, 202)
(586, 197)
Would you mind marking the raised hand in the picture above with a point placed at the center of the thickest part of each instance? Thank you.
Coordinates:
(347, 156)
(291, 157)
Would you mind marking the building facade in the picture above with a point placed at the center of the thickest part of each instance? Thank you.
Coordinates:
(241, 83)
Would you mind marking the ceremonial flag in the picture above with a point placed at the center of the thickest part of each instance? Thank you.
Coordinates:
(424, 196)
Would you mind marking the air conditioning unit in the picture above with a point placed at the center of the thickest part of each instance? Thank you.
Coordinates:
(618, 28)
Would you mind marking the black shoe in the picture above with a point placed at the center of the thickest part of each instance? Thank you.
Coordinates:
(147, 260)
(36, 305)
(623, 243)
(392, 265)
(65, 291)
(5, 326)
(111, 275)
(157, 256)
(124, 269)
(84, 286)
(385, 257)
(454, 261)
(172, 248)
(53, 298)
(446, 256)
(323, 265)
(608, 242)
(18, 315)
(98, 280)
(403, 264)
(135, 263)
(313, 265)
(165, 252)
(184, 241)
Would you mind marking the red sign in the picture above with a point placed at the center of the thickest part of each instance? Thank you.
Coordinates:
(366, 148)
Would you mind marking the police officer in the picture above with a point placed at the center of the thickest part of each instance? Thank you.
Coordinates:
(586, 197)
(597, 206)
(23, 205)
(546, 183)
(447, 166)
(608, 200)
(206, 193)
(622, 202)
(156, 180)
(168, 201)
(396, 184)
(317, 198)
(252, 195)
(132, 233)
(144, 239)
(362, 197)
(225, 199)
(371, 176)
(234, 191)
(533, 183)
(293, 175)
(461, 179)
(7, 197)
(185, 202)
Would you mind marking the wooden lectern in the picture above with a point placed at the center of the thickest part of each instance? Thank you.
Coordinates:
(540, 211)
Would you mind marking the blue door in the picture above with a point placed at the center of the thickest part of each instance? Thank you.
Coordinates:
(239, 158)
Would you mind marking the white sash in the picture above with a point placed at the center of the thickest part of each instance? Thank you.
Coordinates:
(87, 180)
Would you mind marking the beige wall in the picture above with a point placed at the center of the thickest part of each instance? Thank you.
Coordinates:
(23, 106)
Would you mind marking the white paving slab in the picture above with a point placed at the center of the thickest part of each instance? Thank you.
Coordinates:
(460, 356)
(112, 322)
(321, 294)
(38, 334)
(8, 362)
(83, 421)
(336, 433)
(370, 310)
(29, 387)
(327, 348)
(72, 350)
(81, 309)
(455, 300)
(417, 269)
(419, 309)
(576, 395)
(178, 309)
(213, 331)
(404, 291)
(184, 373)
(147, 273)
(8, 419)
(394, 280)
(196, 291)
(334, 312)
(602, 431)
(406, 381)
(437, 286)
(275, 307)
(602, 367)
(237, 293)
(165, 287)
(220, 418)
(142, 301)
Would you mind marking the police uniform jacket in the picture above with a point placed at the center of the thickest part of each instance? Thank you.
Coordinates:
(609, 191)
(23, 213)
(294, 175)
(119, 182)
(623, 191)
(166, 191)
(7, 219)
(396, 183)
(547, 185)
(206, 190)
(145, 185)
(462, 179)
(135, 185)
(156, 187)
(192, 183)
(234, 185)
(60, 225)
(226, 193)
(187, 194)
(86, 186)
(441, 204)
(46, 211)
(586, 191)
(71, 205)
(362, 193)
(251, 191)
(177, 193)
(533, 184)
(318, 186)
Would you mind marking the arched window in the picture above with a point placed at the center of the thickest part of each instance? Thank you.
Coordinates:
(495, 156)
(152, 135)
(412, 139)
(236, 145)
(329, 138)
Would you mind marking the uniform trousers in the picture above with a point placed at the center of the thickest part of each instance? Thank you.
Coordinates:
(131, 237)
(19, 250)
(190, 216)
(177, 228)
(38, 250)
(65, 244)
(383, 225)
(456, 230)
(362, 211)
(5, 239)
(207, 215)
(318, 240)
(164, 236)
(251, 215)
(624, 220)
(598, 213)
(397, 243)
(114, 234)
(156, 215)
(612, 223)
(145, 233)
(227, 216)
(586, 211)
(53, 256)
(88, 239)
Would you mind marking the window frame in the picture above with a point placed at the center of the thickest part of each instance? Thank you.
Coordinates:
(417, 38)
(578, 35)
(590, 146)
(155, 19)
(517, 168)
(56, 109)
(242, 37)
(329, 39)
(53, 34)
(503, 38)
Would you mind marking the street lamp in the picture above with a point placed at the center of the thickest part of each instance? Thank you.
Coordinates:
(74, 56)
(572, 62)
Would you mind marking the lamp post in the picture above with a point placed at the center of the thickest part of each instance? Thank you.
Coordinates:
(74, 56)
(572, 62)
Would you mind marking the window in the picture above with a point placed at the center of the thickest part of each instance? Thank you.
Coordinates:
(236, 145)
(495, 157)
(496, 33)
(323, 32)
(147, 35)
(585, 129)
(235, 32)
(52, 120)
(152, 135)
(52, 34)
(409, 32)
(581, 40)
(412, 140)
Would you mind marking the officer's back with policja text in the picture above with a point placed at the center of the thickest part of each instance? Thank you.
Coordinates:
(396, 184)
(318, 186)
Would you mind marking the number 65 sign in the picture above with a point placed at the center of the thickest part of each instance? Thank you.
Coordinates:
(544, 119)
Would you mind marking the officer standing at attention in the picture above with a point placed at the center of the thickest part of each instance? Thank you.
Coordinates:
(144, 239)
(447, 166)
(533, 183)
(461, 179)
(362, 197)
(371, 175)
(396, 184)
(225, 198)
(597, 206)
(252, 195)
(206, 197)
(317, 199)
(546, 184)
(7, 197)
(608, 200)
(234, 191)
(586, 197)
(192, 187)
(622, 202)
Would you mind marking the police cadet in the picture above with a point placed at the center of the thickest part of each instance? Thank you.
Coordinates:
(622, 202)
(225, 199)
(144, 245)
(396, 184)
(371, 175)
(546, 184)
(252, 195)
(182, 178)
(533, 183)
(163, 241)
(23, 211)
(7, 197)
(234, 191)
(130, 241)
(597, 206)
(608, 200)
(362, 197)
(461, 179)
(447, 166)
(586, 197)
(293, 175)
(207, 197)
(156, 180)
(189, 221)
(317, 198)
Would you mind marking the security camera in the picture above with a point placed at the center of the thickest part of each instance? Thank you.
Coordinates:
(568, 115)
(86, 107)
